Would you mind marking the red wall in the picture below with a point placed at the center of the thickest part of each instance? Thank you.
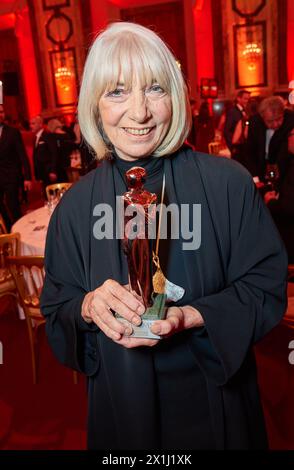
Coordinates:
(290, 40)
(28, 63)
(20, 24)
(203, 39)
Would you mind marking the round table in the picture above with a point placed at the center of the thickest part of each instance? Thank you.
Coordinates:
(33, 230)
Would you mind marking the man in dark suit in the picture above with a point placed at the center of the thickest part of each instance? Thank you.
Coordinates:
(267, 136)
(14, 169)
(269, 142)
(234, 115)
(281, 201)
(44, 154)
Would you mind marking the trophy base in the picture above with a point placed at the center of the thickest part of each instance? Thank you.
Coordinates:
(156, 312)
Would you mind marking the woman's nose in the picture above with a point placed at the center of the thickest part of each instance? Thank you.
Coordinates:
(139, 107)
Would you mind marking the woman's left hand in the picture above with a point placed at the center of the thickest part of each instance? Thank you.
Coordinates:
(178, 319)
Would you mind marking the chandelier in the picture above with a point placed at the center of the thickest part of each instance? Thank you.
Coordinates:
(63, 77)
(252, 53)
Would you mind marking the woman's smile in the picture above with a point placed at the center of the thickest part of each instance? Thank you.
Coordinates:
(138, 132)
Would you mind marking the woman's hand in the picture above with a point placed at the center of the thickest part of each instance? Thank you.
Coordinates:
(98, 307)
(178, 319)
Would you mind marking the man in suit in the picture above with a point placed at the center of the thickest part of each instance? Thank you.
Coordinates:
(281, 201)
(14, 170)
(234, 115)
(44, 154)
(267, 136)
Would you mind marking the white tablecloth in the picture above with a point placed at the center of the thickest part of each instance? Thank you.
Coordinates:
(33, 230)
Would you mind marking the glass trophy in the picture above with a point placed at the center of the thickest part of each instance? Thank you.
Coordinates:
(138, 249)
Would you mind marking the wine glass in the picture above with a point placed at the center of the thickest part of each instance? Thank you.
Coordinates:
(272, 175)
(51, 203)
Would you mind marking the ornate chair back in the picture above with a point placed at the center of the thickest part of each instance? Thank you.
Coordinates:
(9, 246)
(28, 275)
(56, 190)
(3, 228)
(214, 148)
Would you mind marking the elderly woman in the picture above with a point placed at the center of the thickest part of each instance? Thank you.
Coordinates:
(195, 388)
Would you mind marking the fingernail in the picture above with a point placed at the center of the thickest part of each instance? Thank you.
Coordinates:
(128, 331)
(137, 321)
(141, 310)
(156, 329)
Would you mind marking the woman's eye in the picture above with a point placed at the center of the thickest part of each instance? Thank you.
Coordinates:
(116, 92)
(155, 89)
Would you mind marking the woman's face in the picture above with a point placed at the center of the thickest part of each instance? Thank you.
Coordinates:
(136, 120)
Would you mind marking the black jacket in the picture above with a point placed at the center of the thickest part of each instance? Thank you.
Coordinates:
(282, 209)
(236, 279)
(14, 163)
(256, 144)
(44, 157)
(234, 115)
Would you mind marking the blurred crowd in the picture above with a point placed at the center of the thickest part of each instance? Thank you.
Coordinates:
(38, 151)
(259, 134)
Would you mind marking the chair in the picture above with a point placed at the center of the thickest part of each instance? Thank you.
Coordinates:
(3, 228)
(214, 148)
(57, 189)
(24, 270)
(28, 274)
(9, 246)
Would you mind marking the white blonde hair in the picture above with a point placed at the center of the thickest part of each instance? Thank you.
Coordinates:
(130, 50)
(274, 104)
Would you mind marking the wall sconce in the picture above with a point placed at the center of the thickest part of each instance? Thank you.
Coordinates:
(63, 66)
(249, 44)
(59, 30)
(208, 88)
(250, 55)
(252, 50)
(63, 76)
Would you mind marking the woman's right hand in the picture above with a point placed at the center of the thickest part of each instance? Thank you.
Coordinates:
(98, 307)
